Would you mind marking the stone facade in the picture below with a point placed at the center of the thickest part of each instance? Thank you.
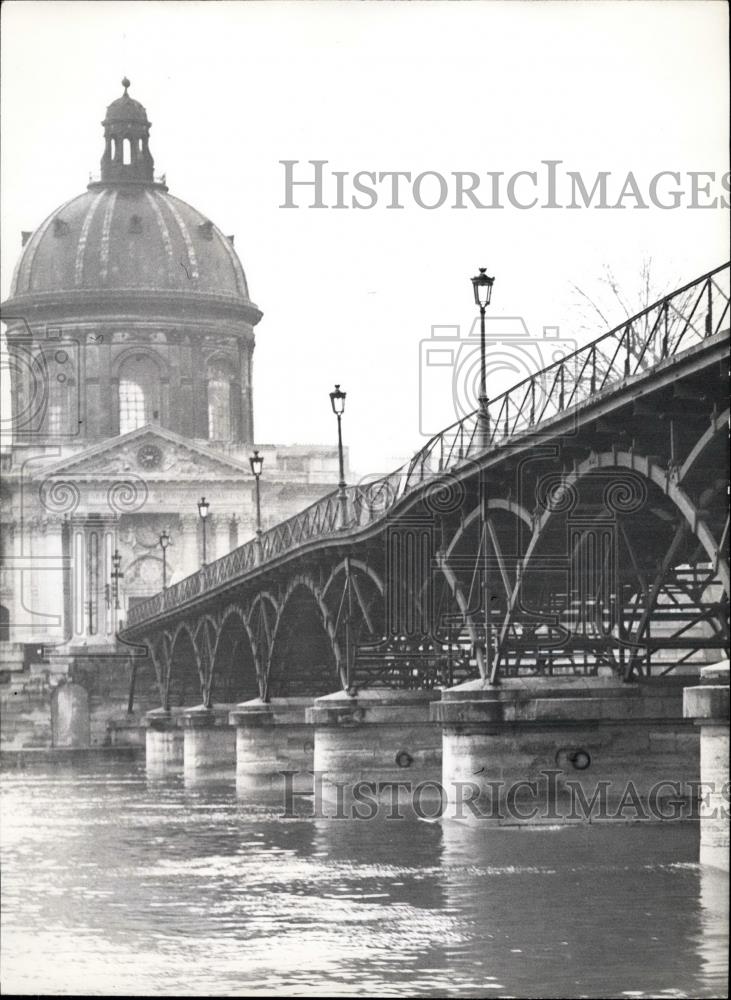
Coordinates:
(130, 338)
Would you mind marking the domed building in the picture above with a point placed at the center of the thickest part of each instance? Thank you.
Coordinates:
(130, 338)
(150, 292)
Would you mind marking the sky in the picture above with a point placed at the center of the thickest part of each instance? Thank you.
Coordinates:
(348, 296)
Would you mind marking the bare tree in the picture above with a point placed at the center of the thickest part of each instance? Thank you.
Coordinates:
(609, 305)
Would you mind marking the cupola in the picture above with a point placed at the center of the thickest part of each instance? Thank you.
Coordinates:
(127, 158)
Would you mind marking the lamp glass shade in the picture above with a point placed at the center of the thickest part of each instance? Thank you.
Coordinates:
(116, 559)
(337, 400)
(257, 463)
(203, 506)
(482, 287)
(165, 539)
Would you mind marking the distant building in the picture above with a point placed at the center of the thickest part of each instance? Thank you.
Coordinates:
(130, 334)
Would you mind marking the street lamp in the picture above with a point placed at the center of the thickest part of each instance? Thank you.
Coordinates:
(482, 287)
(203, 506)
(337, 401)
(165, 541)
(117, 575)
(256, 461)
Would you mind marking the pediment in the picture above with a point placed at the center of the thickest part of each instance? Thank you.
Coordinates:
(155, 455)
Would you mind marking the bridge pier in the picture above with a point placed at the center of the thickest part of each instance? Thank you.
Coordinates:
(567, 749)
(163, 742)
(381, 737)
(272, 737)
(708, 706)
(209, 742)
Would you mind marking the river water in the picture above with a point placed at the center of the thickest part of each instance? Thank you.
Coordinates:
(114, 883)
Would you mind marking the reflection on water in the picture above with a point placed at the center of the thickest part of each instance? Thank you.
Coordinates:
(114, 883)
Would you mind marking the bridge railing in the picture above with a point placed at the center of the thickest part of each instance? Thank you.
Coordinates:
(675, 323)
(684, 318)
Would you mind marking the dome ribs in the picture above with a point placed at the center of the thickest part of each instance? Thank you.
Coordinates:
(125, 239)
(239, 276)
(80, 249)
(193, 273)
(164, 233)
(106, 230)
(25, 271)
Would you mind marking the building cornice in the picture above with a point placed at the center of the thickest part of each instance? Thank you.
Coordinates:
(142, 303)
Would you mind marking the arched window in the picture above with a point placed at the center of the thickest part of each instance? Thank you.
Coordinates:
(62, 398)
(219, 377)
(139, 393)
(126, 151)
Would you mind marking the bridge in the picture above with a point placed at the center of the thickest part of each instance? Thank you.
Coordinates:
(573, 532)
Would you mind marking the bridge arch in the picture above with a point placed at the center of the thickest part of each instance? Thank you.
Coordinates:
(464, 559)
(303, 657)
(183, 687)
(158, 648)
(234, 674)
(688, 519)
(353, 596)
(355, 564)
(261, 621)
(719, 425)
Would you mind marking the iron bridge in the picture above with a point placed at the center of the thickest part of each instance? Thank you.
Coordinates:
(579, 525)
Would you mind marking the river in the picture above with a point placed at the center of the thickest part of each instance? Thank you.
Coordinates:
(115, 883)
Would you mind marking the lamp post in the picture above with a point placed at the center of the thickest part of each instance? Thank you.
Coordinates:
(203, 506)
(117, 575)
(337, 401)
(256, 461)
(482, 287)
(165, 541)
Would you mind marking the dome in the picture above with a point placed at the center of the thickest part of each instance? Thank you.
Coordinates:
(125, 109)
(128, 246)
(129, 238)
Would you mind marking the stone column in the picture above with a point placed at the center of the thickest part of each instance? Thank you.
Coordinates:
(105, 427)
(382, 737)
(213, 540)
(247, 411)
(272, 737)
(209, 742)
(200, 392)
(47, 567)
(708, 706)
(163, 743)
(188, 546)
(7, 594)
(90, 546)
(16, 579)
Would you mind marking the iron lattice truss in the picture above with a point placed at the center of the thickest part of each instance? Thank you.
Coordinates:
(579, 525)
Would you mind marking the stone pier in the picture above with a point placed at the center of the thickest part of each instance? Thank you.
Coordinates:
(209, 742)
(163, 742)
(273, 737)
(379, 737)
(708, 706)
(543, 749)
